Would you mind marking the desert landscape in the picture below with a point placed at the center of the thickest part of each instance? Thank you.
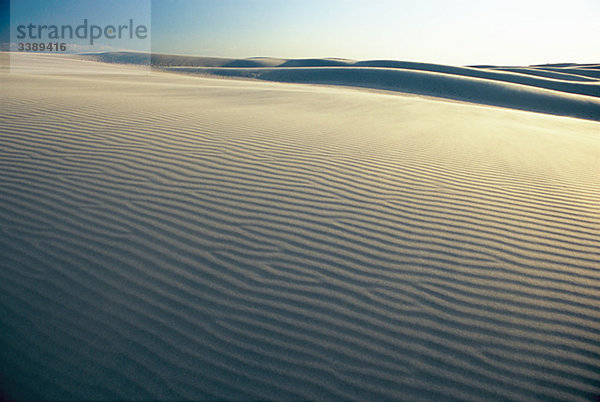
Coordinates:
(298, 229)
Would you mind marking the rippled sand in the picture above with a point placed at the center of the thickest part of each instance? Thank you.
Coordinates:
(178, 237)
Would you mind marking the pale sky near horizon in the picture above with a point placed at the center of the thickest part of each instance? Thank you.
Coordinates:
(451, 32)
(509, 32)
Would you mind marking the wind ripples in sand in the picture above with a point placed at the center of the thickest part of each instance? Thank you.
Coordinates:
(327, 244)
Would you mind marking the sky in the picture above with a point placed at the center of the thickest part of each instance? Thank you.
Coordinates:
(459, 32)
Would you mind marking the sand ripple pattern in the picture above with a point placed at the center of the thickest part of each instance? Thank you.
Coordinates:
(186, 238)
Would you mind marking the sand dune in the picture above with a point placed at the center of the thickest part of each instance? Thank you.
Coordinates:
(567, 76)
(181, 237)
(462, 88)
(499, 74)
(554, 77)
(538, 89)
(589, 70)
(168, 60)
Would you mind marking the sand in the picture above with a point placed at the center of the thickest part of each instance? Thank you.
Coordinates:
(565, 90)
(170, 236)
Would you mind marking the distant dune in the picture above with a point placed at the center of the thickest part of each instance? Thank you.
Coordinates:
(182, 237)
(555, 89)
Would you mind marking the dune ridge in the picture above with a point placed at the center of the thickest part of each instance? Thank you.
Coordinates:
(461, 88)
(184, 237)
(559, 90)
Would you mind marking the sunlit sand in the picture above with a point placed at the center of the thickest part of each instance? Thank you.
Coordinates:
(185, 236)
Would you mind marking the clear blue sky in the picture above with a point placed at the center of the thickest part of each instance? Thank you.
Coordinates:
(451, 32)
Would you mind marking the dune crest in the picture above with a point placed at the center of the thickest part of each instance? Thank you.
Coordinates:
(559, 90)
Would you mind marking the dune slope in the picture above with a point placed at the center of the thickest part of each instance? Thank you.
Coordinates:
(566, 90)
(181, 237)
(449, 86)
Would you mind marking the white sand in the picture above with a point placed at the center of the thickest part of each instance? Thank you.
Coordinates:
(172, 236)
(569, 90)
